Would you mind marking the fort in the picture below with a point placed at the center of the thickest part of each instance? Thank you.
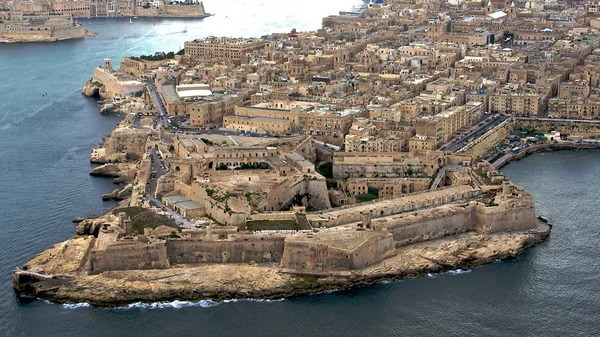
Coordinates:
(39, 27)
(303, 161)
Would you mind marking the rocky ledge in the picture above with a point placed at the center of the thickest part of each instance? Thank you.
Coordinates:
(56, 274)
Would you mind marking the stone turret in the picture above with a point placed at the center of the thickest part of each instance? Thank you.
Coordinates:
(108, 64)
(125, 223)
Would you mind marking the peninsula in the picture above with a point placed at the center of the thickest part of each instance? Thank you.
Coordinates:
(50, 21)
(304, 161)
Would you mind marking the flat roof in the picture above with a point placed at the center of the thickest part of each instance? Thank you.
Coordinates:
(190, 204)
(175, 198)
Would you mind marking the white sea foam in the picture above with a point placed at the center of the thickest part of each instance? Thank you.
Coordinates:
(173, 304)
(253, 300)
(458, 271)
(75, 305)
(430, 275)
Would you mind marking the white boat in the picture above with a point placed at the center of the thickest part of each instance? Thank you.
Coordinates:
(129, 20)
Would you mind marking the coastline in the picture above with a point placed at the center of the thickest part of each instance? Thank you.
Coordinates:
(546, 148)
(163, 16)
(221, 282)
(58, 274)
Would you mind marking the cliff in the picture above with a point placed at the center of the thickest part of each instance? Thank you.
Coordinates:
(91, 89)
(60, 267)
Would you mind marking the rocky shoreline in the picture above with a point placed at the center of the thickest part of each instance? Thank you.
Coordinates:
(62, 281)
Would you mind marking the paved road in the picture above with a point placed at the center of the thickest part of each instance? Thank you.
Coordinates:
(475, 132)
(158, 170)
(161, 116)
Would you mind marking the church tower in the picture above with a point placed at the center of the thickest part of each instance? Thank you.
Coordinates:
(512, 11)
(489, 8)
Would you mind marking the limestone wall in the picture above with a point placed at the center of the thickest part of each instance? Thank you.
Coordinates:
(372, 251)
(314, 257)
(386, 207)
(242, 250)
(491, 140)
(320, 257)
(129, 255)
(584, 128)
(430, 224)
(113, 86)
(510, 215)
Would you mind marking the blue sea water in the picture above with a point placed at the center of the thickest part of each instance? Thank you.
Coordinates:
(551, 290)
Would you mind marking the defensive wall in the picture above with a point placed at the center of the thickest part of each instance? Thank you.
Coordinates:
(448, 220)
(545, 147)
(390, 206)
(482, 145)
(381, 165)
(309, 253)
(113, 86)
(574, 127)
(245, 249)
(129, 254)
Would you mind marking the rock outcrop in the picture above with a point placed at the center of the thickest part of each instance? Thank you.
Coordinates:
(123, 173)
(119, 194)
(91, 89)
(229, 281)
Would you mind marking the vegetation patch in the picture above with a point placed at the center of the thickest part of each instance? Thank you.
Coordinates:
(142, 218)
(326, 170)
(207, 141)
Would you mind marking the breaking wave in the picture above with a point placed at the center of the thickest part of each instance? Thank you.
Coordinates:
(458, 271)
(173, 304)
(75, 305)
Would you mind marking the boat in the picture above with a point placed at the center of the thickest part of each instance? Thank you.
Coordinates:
(135, 17)
(543, 218)
(185, 29)
(129, 20)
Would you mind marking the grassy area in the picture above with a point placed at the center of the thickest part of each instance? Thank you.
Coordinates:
(366, 197)
(142, 218)
(257, 225)
(326, 170)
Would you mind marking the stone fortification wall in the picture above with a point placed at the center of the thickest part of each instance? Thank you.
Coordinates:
(391, 165)
(307, 150)
(129, 255)
(241, 250)
(584, 128)
(490, 140)
(130, 142)
(65, 33)
(303, 256)
(430, 224)
(182, 10)
(373, 250)
(317, 192)
(447, 220)
(508, 215)
(376, 170)
(113, 86)
(386, 207)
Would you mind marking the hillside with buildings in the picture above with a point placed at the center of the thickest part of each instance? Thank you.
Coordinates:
(301, 161)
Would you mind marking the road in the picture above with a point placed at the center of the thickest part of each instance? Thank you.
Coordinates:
(475, 132)
(161, 116)
(158, 170)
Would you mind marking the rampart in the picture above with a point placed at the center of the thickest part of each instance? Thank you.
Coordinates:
(129, 254)
(112, 85)
(574, 127)
(323, 253)
(390, 206)
(242, 249)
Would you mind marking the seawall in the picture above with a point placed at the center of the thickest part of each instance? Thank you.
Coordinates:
(544, 147)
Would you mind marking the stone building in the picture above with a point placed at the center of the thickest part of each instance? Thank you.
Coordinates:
(230, 49)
